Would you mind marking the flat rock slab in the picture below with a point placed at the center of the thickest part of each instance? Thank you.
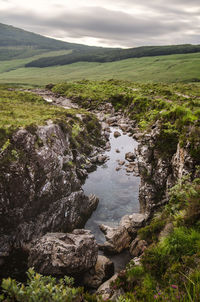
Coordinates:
(64, 253)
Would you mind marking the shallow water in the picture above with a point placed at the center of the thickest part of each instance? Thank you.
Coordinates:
(117, 190)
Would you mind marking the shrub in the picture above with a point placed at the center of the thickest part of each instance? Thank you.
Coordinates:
(40, 288)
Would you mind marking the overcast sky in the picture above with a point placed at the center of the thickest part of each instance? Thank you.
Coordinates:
(113, 23)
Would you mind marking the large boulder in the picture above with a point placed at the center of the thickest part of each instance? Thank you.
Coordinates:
(64, 253)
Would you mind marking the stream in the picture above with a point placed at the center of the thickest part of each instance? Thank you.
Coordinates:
(117, 191)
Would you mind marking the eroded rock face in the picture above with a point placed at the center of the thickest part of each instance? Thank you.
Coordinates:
(64, 253)
(159, 173)
(40, 189)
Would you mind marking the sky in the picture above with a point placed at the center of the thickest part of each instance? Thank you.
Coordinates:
(108, 23)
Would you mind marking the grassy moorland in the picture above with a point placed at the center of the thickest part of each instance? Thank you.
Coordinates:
(26, 110)
(177, 106)
(171, 68)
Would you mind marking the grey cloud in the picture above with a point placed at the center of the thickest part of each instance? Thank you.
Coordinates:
(167, 26)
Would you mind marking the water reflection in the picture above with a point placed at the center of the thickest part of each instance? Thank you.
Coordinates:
(117, 190)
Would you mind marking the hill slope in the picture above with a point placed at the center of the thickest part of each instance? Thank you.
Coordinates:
(172, 68)
(18, 43)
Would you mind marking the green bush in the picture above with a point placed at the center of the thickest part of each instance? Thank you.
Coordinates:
(40, 289)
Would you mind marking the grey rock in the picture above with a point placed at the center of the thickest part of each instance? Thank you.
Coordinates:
(103, 270)
(133, 222)
(117, 134)
(106, 289)
(117, 239)
(130, 156)
(64, 253)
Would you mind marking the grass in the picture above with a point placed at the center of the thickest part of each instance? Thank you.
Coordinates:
(21, 110)
(171, 68)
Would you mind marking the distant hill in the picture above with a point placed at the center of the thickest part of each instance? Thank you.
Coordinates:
(109, 55)
(19, 43)
(16, 43)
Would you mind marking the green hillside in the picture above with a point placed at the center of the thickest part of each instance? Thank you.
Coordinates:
(172, 68)
(18, 43)
(22, 54)
(103, 55)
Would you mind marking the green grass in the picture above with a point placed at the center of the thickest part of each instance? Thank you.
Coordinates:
(172, 68)
(10, 65)
(22, 110)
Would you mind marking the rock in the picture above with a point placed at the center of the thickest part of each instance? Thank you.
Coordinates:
(121, 162)
(130, 156)
(64, 253)
(130, 168)
(137, 247)
(102, 158)
(117, 134)
(166, 231)
(112, 120)
(106, 290)
(137, 135)
(117, 239)
(107, 146)
(133, 222)
(124, 127)
(107, 135)
(104, 269)
(118, 168)
(117, 150)
(137, 260)
(45, 192)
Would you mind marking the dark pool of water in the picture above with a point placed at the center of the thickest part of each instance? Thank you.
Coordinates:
(117, 190)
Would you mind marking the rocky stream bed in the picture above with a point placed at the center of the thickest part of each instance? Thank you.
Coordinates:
(45, 220)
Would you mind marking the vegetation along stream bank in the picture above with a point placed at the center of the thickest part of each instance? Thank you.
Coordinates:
(50, 140)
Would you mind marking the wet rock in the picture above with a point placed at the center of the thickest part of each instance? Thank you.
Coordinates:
(103, 270)
(130, 156)
(117, 239)
(137, 247)
(64, 253)
(130, 169)
(117, 134)
(102, 159)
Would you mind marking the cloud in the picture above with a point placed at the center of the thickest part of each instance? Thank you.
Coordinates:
(138, 23)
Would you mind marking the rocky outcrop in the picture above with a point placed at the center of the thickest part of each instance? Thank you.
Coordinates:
(64, 254)
(159, 172)
(119, 238)
(40, 186)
